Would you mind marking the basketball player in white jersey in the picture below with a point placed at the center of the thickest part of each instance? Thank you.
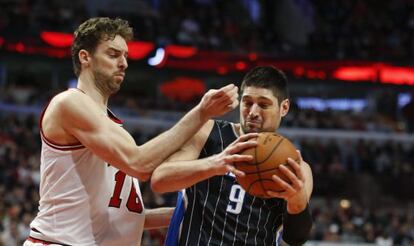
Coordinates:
(90, 166)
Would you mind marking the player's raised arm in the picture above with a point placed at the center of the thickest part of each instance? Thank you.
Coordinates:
(183, 169)
(114, 145)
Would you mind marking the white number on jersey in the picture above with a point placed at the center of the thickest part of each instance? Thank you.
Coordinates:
(236, 199)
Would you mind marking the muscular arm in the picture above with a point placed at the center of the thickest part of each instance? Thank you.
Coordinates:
(157, 218)
(80, 117)
(183, 169)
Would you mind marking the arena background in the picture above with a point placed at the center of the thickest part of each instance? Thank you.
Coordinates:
(350, 66)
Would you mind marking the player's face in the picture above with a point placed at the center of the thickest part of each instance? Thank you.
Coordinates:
(260, 110)
(109, 63)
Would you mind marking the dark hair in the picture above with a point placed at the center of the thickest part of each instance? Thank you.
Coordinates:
(91, 32)
(270, 78)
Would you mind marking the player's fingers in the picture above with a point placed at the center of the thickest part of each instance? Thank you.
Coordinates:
(238, 147)
(234, 100)
(222, 93)
(283, 184)
(245, 137)
(235, 171)
(234, 104)
(230, 159)
(275, 194)
(228, 97)
(296, 167)
(288, 173)
(228, 88)
(234, 95)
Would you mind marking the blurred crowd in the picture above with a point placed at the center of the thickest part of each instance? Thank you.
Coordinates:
(383, 116)
(351, 222)
(342, 29)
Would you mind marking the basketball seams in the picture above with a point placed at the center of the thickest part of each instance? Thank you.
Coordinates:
(271, 152)
(259, 172)
(258, 163)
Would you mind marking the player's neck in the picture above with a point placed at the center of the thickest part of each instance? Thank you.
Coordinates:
(87, 85)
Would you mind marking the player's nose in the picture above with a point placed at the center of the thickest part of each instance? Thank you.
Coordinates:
(123, 63)
(254, 111)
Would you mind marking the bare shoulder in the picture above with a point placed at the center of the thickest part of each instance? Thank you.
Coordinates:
(58, 113)
(70, 100)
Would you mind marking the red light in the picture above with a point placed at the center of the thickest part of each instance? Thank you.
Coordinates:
(180, 51)
(222, 70)
(312, 74)
(183, 89)
(253, 56)
(397, 75)
(57, 39)
(20, 47)
(241, 65)
(356, 73)
(321, 75)
(139, 50)
(299, 71)
(1, 41)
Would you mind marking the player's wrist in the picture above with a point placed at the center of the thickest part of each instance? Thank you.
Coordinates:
(211, 167)
(296, 208)
(297, 204)
(203, 114)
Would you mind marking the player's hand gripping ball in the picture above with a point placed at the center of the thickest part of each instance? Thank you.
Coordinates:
(272, 150)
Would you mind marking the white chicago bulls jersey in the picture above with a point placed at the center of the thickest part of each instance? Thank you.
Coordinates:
(85, 201)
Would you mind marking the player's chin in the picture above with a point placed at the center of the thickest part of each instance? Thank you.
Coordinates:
(252, 130)
(115, 87)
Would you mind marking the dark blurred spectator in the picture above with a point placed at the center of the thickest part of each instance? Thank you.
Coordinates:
(408, 114)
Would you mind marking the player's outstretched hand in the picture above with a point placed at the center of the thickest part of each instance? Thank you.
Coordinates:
(222, 163)
(218, 102)
(294, 192)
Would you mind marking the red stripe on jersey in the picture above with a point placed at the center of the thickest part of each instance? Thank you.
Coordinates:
(113, 117)
(35, 240)
(73, 146)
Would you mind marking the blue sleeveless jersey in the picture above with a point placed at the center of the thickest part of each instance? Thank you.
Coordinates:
(217, 211)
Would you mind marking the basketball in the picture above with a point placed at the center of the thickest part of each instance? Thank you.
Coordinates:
(272, 150)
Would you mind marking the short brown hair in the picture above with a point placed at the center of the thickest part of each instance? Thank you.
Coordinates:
(91, 32)
(267, 77)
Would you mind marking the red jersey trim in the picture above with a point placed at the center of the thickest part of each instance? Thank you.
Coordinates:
(43, 242)
(51, 143)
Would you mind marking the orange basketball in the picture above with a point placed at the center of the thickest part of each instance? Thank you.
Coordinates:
(271, 151)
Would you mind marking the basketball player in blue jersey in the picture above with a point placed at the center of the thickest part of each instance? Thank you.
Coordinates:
(214, 209)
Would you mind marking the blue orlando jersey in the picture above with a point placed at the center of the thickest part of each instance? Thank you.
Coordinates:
(217, 211)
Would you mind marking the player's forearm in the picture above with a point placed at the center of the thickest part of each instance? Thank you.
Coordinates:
(155, 151)
(158, 218)
(177, 175)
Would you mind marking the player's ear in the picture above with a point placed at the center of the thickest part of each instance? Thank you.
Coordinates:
(284, 107)
(84, 57)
